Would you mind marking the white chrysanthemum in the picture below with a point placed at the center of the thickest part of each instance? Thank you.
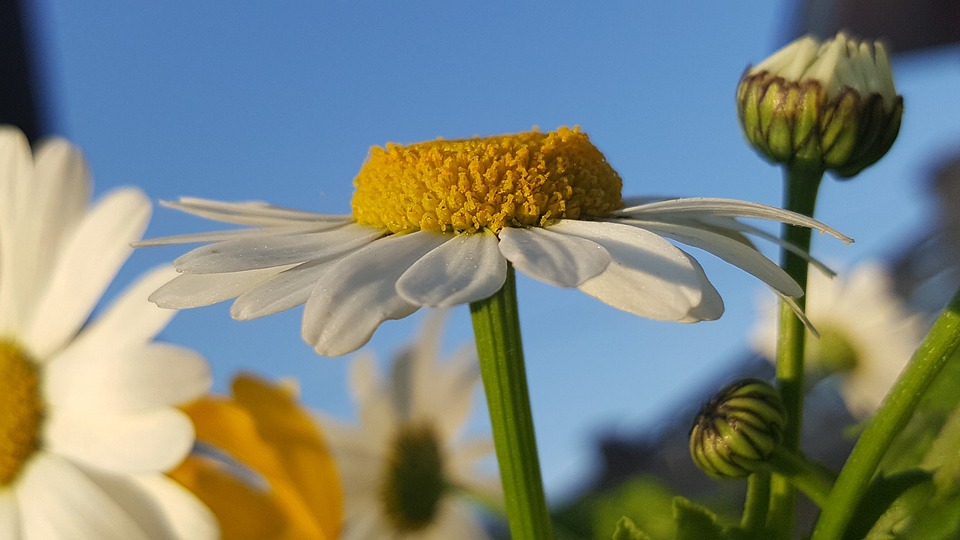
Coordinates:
(405, 468)
(87, 425)
(435, 224)
(866, 334)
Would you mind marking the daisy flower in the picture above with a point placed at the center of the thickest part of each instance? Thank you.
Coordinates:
(263, 466)
(437, 223)
(87, 422)
(405, 468)
(866, 335)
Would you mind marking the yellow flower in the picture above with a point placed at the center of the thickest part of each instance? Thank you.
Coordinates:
(275, 478)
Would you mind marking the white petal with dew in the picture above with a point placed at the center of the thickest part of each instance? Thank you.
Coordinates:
(57, 500)
(229, 234)
(9, 516)
(89, 262)
(733, 225)
(464, 269)
(359, 292)
(553, 258)
(126, 380)
(132, 443)
(648, 276)
(281, 292)
(736, 253)
(196, 290)
(271, 251)
(728, 207)
(252, 213)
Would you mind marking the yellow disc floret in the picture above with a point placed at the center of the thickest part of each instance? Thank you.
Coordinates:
(524, 180)
(21, 410)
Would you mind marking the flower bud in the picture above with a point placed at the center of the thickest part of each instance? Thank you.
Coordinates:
(829, 106)
(738, 430)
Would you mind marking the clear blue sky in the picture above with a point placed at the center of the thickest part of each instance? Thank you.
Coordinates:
(281, 101)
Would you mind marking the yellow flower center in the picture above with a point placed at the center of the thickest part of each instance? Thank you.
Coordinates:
(414, 481)
(21, 410)
(524, 180)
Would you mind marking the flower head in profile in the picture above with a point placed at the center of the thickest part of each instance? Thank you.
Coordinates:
(87, 417)
(263, 466)
(822, 106)
(436, 224)
(866, 334)
(407, 465)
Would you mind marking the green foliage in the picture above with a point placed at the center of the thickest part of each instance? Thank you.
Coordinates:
(627, 530)
(888, 500)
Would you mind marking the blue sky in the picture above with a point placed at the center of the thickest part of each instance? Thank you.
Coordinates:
(282, 101)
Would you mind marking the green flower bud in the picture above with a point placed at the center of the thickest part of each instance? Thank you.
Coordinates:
(829, 106)
(738, 430)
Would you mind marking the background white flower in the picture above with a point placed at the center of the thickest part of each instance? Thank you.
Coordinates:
(867, 334)
(84, 443)
(405, 468)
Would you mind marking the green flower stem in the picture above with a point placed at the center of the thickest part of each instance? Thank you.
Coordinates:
(758, 502)
(940, 345)
(800, 195)
(496, 323)
(812, 479)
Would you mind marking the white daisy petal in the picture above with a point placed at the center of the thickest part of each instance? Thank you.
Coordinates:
(196, 290)
(732, 225)
(149, 441)
(58, 501)
(736, 253)
(132, 379)
(557, 259)
(159, 505)
(129, 321)
(193, 519)
(648, 276)
(359, 292)
(281, 292)
(729, 207)
(58, 197)
(230, 234)
(15, 181)
(464, 269)
(79, 279)
(251, 213)
(9, 516)
(271, 251)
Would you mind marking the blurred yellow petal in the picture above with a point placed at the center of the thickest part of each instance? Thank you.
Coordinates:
(244, 513)
(299, 446)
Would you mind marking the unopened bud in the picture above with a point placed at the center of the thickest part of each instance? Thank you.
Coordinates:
(830, 106)
(738, 430)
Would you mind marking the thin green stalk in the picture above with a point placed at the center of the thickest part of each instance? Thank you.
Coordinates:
(496, 323)
(758, 502)
(937, 348)
(800, 195)
(813, 480)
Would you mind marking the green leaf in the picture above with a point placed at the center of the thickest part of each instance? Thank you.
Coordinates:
(626, 530)
(938, 520)
(888, 501)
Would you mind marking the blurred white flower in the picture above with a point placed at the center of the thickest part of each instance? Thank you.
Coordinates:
(407, 466)
(436, 224)
(87, 423)
(866, 334)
